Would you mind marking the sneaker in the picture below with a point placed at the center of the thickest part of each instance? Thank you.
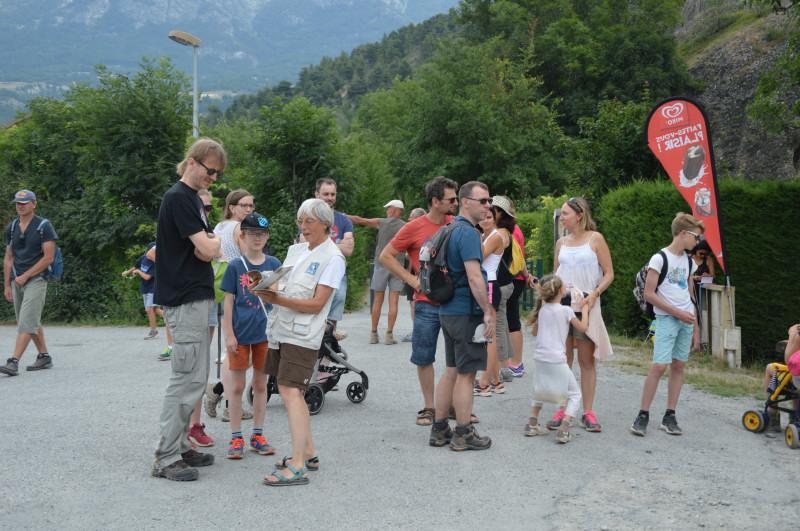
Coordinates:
(43, 361)
(640, 424)
(177, 471)
(589, 422)
(152, 334)
(198, 436)
(533, 431)
(193, 458)
(497, 388)
(517, 372)
(373, 338)
(440, 436)
(408, 338)
(506, 374)
(11, 367)
(670, 425)
(236, 449)
(167, 354)
(563, 435)
(555, 422)
(482, 391)
(259, 444)
(469, 441)
(211, 401)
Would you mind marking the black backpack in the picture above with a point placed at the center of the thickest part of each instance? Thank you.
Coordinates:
(434, 278)
(641, 280)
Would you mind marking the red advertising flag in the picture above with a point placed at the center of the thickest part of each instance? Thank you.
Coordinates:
(677, 132)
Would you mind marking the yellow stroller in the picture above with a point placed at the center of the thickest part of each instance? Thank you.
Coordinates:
(783, 391)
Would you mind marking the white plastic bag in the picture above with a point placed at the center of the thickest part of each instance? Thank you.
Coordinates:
(550, 382)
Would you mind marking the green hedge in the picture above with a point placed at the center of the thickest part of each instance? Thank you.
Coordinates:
(761, 247)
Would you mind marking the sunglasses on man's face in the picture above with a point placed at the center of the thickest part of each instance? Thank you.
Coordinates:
(210, 171)
(482, 200)
(208, 208)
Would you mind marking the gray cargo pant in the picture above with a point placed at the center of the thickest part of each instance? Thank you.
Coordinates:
(190, 363)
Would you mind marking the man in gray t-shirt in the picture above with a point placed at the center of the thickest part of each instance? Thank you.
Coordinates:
(30, 247)
(381, 278)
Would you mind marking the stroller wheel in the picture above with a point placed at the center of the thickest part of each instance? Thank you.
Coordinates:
(753, 421)
(792, 439)
(315, 398)
(356, 392)
(250, 394)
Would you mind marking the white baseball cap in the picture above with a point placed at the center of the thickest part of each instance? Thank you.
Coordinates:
(395, 203)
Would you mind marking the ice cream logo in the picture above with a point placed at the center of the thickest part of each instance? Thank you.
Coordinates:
(693, 161)
(674, 115)
(702, 201)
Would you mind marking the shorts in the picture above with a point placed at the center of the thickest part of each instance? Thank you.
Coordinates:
(337, 306)
(673, 339)
(512, 306)
(425, 334)
(148, 301)
(240, 360)
(28, 304)
(574, 332)
(459, 350)
(213, 319)
(292, 365)
(382, 278)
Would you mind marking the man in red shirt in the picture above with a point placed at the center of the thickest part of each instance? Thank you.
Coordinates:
(442, 203)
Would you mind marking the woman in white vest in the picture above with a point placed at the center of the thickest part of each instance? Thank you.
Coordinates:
(295, 328)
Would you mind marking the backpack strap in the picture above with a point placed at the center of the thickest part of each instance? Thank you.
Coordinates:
(663, 273)
(241, 257)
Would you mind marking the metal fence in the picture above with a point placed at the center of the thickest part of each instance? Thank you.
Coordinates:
(535, 267)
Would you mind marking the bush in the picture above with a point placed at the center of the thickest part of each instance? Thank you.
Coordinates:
(538, 231)
(761, 252)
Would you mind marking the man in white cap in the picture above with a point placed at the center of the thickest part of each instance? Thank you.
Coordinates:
(381, 277)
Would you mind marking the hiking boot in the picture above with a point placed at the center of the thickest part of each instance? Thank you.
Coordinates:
(211, 401)
(670, 425)
(408, 338)
(482, 391)
(43, 361)
(589, 422)
(440, 436)
(562, 433)
(236, 448)
(498, 388)
(390, 340)
(534, 430)
(152, 334)
(11, 367)
(166, 355)
(373, 338)
(246, 415)
(469, 441)
(518, 371)
(639, 426)
(177, 471)
(198, 436)
(506, 374)
(258, 443)
(555, 422)
(193, 458)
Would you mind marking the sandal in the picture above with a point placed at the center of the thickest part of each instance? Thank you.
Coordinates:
(284, 481)
(425, 416)
(472, 418)
(311, 464)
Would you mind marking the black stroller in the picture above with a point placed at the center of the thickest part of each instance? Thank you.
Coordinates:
(315, 396)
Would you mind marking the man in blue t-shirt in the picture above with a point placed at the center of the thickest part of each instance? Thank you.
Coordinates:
(460, 318)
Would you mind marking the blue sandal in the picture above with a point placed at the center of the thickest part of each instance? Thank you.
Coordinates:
(283, 481)
(311, 464)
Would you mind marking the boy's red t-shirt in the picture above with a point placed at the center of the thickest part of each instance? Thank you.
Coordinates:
(410, 239)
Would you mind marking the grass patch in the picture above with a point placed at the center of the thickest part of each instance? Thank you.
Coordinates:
(715, 30)
(701, 372)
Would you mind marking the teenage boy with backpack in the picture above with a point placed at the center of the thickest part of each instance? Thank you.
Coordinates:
(30, 248)
(677, 332)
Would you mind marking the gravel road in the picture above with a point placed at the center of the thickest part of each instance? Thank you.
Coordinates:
(77, 446)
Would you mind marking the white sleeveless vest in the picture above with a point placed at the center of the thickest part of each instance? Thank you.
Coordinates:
(298, 328)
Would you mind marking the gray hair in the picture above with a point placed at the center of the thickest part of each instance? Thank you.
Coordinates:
(319, 210)
(416, 213)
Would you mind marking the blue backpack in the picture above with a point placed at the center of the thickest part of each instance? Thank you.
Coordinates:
(56, 267)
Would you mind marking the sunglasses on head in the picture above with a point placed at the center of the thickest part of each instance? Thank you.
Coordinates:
(574, 202)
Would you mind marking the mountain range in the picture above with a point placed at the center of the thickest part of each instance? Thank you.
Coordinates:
(246, 44)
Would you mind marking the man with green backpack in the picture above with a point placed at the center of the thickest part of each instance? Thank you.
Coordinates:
(27, 267)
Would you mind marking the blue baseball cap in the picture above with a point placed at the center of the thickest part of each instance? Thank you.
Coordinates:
(255, 221)
(23, 196)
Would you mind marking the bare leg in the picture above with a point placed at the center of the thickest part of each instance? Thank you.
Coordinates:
(377, 303)
(299, 427)
(444, 393)
(516, 343)
(463, 397)
(411, 306)
(151, 316)
(427, 384)
(651, 384)
(259, 382)
(394, 300)
(238, 381)
(674, 383)
(588, 372)
(492, 372)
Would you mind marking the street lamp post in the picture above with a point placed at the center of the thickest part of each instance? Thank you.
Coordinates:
(186, 39)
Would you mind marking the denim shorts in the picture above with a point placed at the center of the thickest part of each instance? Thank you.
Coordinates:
(425, 334)
(337, 306)
(673, 339)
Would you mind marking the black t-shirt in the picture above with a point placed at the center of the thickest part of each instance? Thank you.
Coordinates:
(181, 277)
(28, 247)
